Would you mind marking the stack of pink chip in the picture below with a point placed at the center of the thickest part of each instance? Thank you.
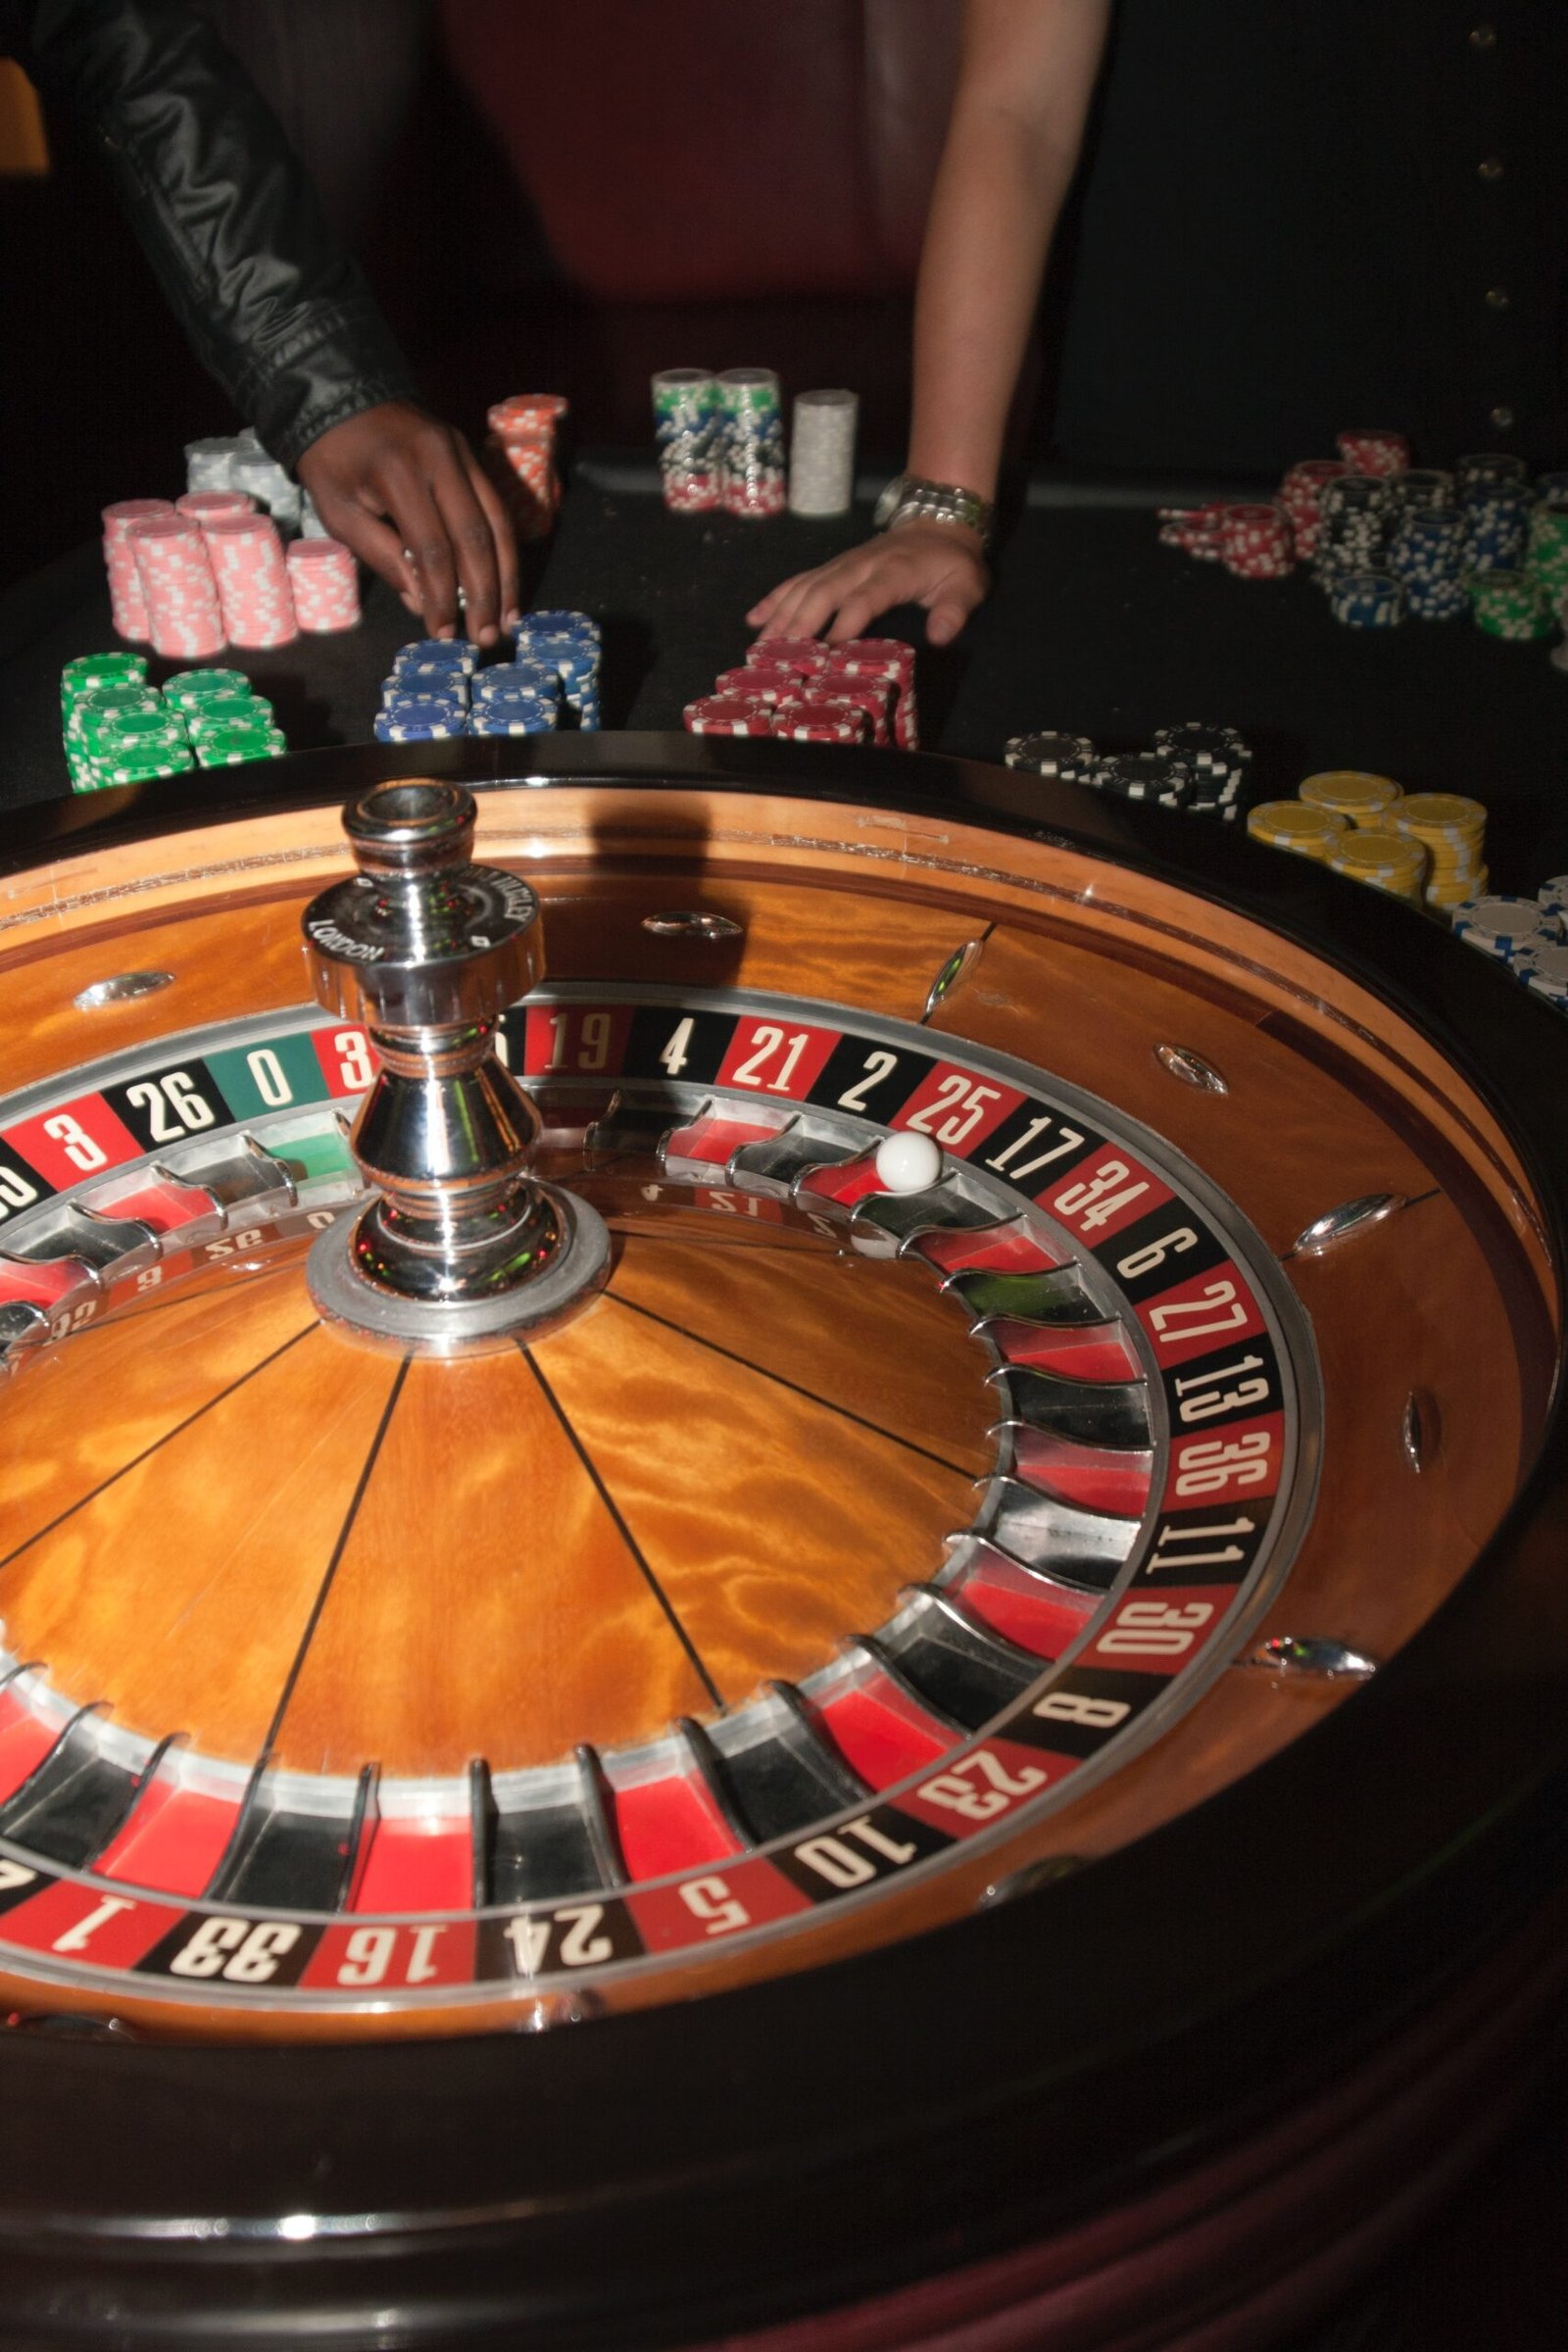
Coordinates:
(253, 580)
(184, 621)
(325, 582)
(127, 603)
(206, 505)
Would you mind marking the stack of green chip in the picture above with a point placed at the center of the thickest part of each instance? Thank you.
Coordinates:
(228, 722)
(1546, 563)
(1508, 604)
(119, 729)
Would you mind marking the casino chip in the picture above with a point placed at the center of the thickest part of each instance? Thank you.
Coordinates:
(1544, 968)
(1255, 542)
(324, 581)
(420, 718)
(687, 432)
(1387, 861)
(1452, 830)
(1508, 604)
(1502, 925)
(1368, 449)
(1353, 794)
(1049, 755)
(1367, 600)
(1297, 825)
(751, 442)
(823, 453)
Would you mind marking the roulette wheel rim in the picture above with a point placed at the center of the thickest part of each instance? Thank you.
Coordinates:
(1022, 2124)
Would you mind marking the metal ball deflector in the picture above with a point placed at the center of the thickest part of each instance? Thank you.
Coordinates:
(427, 949)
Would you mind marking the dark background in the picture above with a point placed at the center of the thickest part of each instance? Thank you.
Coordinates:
(542, 199)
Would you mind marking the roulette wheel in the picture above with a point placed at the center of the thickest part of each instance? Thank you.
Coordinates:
(782, 1560)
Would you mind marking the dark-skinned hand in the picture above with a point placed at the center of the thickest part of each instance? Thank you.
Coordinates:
(408, 495)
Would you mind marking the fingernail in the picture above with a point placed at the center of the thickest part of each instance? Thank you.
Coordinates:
(511, 617)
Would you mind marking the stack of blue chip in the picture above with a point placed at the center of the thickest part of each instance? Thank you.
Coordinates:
(1543, 966)
(1427, 559)
(1497, 520)
(568, 643)
(518, 698)
(1367, 600)
(426, 697)
(1506, 928)
(1491, 469)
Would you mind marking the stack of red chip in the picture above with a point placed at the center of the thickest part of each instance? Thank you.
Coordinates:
(1372, 449)
(127, 604)
(813, 716)
(253, 580)
(326, 582)
(1255, 542)
(522, 446)
(184, 621)
(808, 692)
(864, 662)
(728, 714)
(1193, 529)
(1302, 497)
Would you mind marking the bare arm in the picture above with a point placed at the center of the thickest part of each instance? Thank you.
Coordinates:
(1026, 78)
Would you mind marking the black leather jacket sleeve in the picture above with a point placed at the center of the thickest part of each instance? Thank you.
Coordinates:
(272, 305)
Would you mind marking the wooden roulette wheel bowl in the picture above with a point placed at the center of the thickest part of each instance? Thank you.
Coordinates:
(1008, 1694)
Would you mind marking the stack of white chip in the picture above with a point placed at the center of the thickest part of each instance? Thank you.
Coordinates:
(210, 463)
(823, 453)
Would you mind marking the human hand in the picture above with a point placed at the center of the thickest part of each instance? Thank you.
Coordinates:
(940, 565)
(407, 493)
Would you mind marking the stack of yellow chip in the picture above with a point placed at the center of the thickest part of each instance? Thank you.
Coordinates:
(1452, 830)
(1393, 861)
(1294, 826)
(1350, 792)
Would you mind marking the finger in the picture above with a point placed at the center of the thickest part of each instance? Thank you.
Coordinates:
(762, 614)
(468, 535)
(503, 536)
(949, 609)
(415, 515)
(816, 597)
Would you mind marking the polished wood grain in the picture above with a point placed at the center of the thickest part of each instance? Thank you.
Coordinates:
(178, 1593)
(486, 1604)
(872, 1337)
(767, 1564)
(1286, 1142)
(77, 1413)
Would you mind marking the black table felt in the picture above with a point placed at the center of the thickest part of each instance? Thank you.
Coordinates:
(1094, 627)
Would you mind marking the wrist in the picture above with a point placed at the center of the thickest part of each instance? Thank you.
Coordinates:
(913, 498)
